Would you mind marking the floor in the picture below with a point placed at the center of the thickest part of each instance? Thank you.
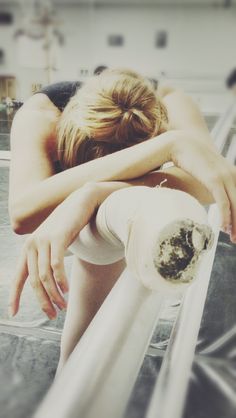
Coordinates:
(29, 343)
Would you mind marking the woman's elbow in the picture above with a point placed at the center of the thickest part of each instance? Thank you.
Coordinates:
(18, 224)
(19, 229)
(18, 220)
(25, 219)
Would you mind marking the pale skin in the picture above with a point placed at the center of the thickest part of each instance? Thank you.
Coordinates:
(39, 199)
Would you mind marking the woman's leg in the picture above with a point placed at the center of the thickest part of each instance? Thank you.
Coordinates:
(89, 286)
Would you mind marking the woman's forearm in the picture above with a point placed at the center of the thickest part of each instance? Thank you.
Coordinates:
(41, 198)
(173, 177)
(176, 178)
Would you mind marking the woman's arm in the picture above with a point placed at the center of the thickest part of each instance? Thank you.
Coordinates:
(42, 258)
(218, 175)
(184, 113)
(172, 177)
(34, 195)
(32, 147)
(176, 178)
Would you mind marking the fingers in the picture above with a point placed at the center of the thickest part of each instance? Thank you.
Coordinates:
(42, 261)
(46, 276)
(233, 172)
(43, 298)
(221, 198)
(231, 192)
(57, 264)
(215, 172)
(212, 177)
(224, 192)
(17, 285)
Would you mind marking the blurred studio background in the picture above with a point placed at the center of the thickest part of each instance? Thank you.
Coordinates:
(184, 43)
(189, 43)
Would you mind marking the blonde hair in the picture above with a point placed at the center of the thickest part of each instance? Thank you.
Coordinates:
(111, 111)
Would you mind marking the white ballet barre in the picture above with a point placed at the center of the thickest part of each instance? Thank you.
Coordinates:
(223, 125)
(99, 377)
(169, 394)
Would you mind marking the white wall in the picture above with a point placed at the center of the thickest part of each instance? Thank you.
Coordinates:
(201, 40)
(201, 44)
(25, 77)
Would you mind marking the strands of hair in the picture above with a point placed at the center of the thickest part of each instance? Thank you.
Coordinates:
(113, 110)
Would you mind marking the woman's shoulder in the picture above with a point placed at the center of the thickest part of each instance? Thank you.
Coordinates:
(164, 90)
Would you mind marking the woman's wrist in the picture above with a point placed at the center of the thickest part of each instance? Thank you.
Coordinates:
(170, 139)
(87, 193)
(95, 192)
(101, 190)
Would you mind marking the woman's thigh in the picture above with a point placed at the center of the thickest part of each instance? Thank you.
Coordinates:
(98, 279)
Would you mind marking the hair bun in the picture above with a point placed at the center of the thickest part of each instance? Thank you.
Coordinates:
(126, 125)
(132, 120)
(127, 116)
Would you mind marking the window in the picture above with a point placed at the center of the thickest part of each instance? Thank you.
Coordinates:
(6, 18)
(161, 39)
(115, 40)
(2, 56)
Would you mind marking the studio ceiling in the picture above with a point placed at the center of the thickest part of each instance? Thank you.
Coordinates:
(223, 3)
(200, 3)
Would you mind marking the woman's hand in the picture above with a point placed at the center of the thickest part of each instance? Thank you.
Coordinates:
(202, 160)
(42, 260)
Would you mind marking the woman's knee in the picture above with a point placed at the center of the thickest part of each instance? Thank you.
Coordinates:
(99, 271)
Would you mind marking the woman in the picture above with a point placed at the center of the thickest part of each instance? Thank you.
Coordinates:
(71, 147)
